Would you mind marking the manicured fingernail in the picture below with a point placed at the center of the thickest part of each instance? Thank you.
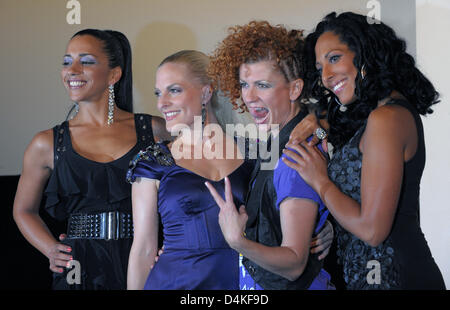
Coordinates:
(69, 249)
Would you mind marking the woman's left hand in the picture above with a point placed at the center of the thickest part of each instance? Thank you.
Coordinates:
(311, 164)
(231, 221)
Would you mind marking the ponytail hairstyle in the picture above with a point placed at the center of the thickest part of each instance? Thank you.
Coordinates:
(387, 67)
(117, 48)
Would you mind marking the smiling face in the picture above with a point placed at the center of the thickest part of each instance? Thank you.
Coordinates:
(86, 73)
(179, 94)
(267, 94)
(334, 60)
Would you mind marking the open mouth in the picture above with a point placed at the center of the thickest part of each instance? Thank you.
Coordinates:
(339, 86)
(170, 115)
(259, 114)
(75, 84)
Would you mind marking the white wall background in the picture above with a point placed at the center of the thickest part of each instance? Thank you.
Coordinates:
(34, 35)
(433, 46)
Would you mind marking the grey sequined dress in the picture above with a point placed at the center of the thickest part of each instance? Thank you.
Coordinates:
(403, 260)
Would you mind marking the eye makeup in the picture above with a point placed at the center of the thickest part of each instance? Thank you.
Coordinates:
(67, 60)
(263, 84)
(85, 59)
(88, 59)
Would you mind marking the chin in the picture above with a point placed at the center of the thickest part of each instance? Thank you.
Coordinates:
(347, 99)
(76, 98)
(172, 129)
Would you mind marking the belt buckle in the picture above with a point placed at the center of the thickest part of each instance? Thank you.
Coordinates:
(110, 225)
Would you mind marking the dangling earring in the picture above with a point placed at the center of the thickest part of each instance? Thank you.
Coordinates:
(203, 115)
(111, 104)
(342, 107)
(205, 97)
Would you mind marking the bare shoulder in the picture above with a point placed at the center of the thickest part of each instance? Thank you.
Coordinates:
(42, 141)
(41, 148)
(391, 115)
(159, 129)
(392, 124)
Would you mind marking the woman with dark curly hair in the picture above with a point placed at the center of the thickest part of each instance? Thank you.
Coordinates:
(263, 65)
(374, 94)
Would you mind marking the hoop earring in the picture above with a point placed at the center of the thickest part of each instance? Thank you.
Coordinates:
(111, 103)
(363, 75)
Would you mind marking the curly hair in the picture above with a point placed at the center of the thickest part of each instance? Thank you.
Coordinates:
(254, 42)
(387, 67)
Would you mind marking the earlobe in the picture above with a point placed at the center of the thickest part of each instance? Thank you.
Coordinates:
(116, 74)
(207, 93)
(296, 89)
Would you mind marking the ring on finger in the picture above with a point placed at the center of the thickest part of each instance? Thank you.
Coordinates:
(320, 133)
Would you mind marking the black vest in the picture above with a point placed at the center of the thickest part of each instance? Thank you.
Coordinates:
(263, 225)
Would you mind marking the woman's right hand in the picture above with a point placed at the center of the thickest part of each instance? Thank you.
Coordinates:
(306, 128)
(58, 256)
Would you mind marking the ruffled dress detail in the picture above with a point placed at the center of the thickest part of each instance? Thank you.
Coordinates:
(78, 185)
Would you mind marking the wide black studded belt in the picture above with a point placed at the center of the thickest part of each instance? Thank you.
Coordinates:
(108, 226)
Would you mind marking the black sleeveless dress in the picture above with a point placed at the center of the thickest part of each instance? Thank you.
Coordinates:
(78, 185)
(403, 260)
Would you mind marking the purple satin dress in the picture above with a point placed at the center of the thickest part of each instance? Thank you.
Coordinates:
(196, 255)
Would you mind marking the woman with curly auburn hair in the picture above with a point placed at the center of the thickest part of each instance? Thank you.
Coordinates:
(196, 255)
(374, 95)
(251, 43)
(263, 65)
